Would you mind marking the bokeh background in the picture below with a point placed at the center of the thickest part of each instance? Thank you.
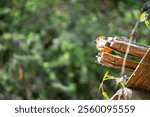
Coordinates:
(47, 48)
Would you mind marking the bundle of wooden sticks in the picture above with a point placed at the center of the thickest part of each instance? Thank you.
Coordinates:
(119, 45)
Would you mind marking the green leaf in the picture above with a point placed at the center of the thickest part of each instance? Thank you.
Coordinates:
(147, 23)
(143, 17)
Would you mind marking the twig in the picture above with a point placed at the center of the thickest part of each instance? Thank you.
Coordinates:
(128, 48)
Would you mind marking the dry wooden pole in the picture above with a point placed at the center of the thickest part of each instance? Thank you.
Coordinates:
(113, 61)
(121, 44)
(134, 50)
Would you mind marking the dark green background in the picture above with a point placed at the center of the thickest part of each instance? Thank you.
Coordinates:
(51, 43)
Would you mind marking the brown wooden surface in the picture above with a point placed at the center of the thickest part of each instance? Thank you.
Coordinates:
(134, 49)
(140, 79)
(113, 61)
(120, 44)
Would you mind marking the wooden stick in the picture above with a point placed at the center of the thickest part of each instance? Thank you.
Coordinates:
(127, 41)
(120, 44)
(113, 61)
(134, 50)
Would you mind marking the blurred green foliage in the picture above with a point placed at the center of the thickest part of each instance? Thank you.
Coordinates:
(47, 48)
